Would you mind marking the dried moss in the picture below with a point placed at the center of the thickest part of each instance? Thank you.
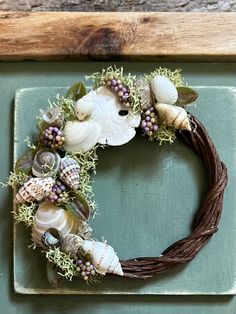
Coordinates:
(62, 261)
(175, 76)
(25, 213)
(15, 179)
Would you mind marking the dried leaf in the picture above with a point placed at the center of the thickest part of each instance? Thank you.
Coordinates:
(76, 91)
(53, 274)
(186, 95)
(79, 207)
(25, 162)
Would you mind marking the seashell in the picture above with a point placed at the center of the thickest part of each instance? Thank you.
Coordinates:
(174, 116)
(164, 90)
(51, 238)
(81, 136)
(34, 189)
(84, 230)
(116, 128)
(53, 274)
(46, 163)
(71, 243)
(85, 105)
(69, 172)
(79, 207)
(145, 94)
(50, 216)
(53, 116)
(103, 257)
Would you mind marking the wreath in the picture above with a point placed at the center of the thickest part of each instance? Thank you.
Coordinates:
(52, 181)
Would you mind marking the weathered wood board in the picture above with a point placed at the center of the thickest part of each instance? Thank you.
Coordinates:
(132, 36)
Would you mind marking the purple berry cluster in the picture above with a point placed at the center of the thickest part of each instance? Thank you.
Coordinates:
(149, 121)
(85, 269)
(58, 193)
(119, 88)
(53, 137)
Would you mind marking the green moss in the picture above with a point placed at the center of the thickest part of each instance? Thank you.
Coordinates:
(175, 76)
(128, 79)
(62, 261)
(25, 213)
(15, 179)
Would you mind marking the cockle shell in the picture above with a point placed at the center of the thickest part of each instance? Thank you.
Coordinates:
(69, 172)
(50, 216)
(85, 105)
(46, 163)
(71, 243)
(81, 136)
(174, 116)
(34, 189)
(116, 128)
(164, 90)
(144, 93)
(103, 257)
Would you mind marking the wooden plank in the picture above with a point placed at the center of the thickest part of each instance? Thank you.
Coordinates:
(113, 35)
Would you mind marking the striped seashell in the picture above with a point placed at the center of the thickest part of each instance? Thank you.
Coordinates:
(69, 172)
(174, 116)
(144, 93)
(71, 243)
(164, 90)
(35, 189)
(50, 216)
(103, 257)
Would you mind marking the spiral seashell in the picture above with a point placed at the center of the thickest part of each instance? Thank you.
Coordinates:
(145, 94)
(69, 172)
(174, 116)
(34, 189)
(46, 163)
(103, 257)
(51, 238)
(85, 105)
(53, 116)
(164, 90)
(50, 216)
(71, 243)
(81, 136)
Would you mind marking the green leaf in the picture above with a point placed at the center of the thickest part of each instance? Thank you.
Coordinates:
(25, 162)
(76, 91)
(78, 206)
(186, 95)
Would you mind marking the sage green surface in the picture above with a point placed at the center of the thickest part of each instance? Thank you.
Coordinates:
(122, 225)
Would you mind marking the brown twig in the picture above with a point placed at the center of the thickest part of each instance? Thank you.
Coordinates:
(207, 217)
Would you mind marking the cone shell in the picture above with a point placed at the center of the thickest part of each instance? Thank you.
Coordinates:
(81, 136)
(50, 216)
(174, 116)
(46, 163)
(145, 94)
(71, 243)
(35, 189)
(164, 90)
(85, 105)
(103, 257)
(69, 172)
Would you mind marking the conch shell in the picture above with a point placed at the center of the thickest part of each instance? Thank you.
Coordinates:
(85, 105)
(164, 90)
(69, 172)
(81, 136)
(50, 216)
(46, 163)
(174, 116)
(103, 257)
(34, 189)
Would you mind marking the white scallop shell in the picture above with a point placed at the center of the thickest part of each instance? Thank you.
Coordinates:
(85, 105)
(69, 172)
(116, 129)
(103, 257)
(174, 116)
(81, 136)
(34, 189)
(50, 216)
(164, 90)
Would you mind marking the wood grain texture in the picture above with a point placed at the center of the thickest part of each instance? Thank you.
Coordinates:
(119, 36)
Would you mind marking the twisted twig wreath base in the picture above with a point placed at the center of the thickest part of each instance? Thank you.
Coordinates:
(207, 218)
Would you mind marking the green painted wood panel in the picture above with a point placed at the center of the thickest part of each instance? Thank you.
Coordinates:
(21, 75)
